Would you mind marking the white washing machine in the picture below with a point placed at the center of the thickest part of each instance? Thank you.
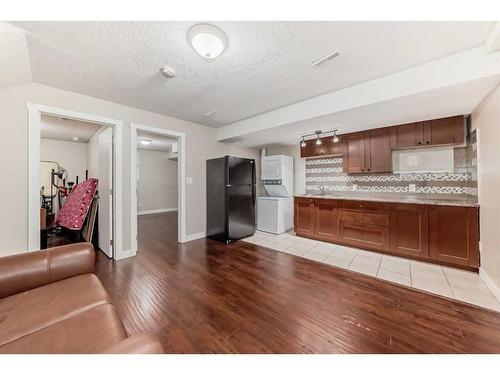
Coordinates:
(274, 214)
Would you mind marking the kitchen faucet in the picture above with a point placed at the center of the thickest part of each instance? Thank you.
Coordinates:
(322, 190)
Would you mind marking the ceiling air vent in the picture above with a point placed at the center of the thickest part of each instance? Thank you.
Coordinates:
(317, 63)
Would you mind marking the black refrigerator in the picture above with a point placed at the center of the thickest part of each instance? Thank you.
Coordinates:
(230, 198)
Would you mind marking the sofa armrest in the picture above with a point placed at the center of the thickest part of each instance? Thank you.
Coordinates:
(22, 272)
(142, 343)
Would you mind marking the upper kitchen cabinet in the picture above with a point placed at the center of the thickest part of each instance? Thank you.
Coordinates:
(326, 148)
(354, 153)
(444, 131)
(368, 152)
(378, 153)
(439, 132)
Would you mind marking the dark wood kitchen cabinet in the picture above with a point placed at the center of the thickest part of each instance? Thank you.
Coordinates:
(354, 153)
(378, 153)
(364, 224)
(441, 234)
(326, 219)
(444, 131)
(368, 151)
(304, 216)
(439, 132)
(407, 135)
(409, 230)
(453, 235)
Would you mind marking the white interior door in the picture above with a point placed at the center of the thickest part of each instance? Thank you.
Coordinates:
(105, 175)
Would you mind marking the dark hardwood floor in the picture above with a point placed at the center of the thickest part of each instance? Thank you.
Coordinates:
(206, 297)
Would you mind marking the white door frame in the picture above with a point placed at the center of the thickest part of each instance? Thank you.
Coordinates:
(181, 180)
(35, 112)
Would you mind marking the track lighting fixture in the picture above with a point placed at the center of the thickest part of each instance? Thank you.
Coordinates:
(318, 134)
(335, 137)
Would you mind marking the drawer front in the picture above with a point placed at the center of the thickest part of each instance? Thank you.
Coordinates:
(364, 205)
(365, 236)
(368, 218)
(376, 219)
(351, 217)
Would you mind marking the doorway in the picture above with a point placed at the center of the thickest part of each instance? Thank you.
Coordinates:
(102, 167)
(73, 153)
(157, 177)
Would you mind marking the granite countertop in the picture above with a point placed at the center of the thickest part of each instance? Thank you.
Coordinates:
(410, 199)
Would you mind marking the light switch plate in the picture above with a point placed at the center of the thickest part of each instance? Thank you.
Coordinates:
(412, 188)
(354, 187)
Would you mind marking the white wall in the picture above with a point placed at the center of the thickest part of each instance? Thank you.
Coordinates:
(201, 144)
(486, 117)
(71, 156)
(157, 185)
(299, 165)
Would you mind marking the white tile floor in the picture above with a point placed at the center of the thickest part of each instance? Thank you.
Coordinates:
(445, 281)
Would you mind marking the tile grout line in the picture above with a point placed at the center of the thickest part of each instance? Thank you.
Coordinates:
(448, 281)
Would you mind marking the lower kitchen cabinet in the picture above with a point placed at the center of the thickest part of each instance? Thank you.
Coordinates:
(304, 216)
(409, 230)
(453, 235)
(326, 219)
(365, 236)
(442, 234)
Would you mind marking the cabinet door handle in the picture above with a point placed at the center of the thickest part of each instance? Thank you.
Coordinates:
(419, 143)
(368, 169)
(428, 142)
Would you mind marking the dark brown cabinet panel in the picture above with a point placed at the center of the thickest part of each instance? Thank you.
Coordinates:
(326, 223)
(331, 148)
(444, 131)
(354, 153)
(368, 152)
(453, 235)
(450, 130)
(409, 230)
(378, 153)
(407, 135)
(365, 236)
(304, 216)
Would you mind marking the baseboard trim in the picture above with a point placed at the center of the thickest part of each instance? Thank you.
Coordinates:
(194, 236)
(158, 211)
(123, 254)
(489, 283)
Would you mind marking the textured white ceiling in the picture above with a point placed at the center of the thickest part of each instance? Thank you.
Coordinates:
(160, 143)
(65, 129)
(266, 65)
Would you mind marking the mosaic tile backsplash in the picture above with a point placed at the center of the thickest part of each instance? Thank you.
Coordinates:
(462, 183)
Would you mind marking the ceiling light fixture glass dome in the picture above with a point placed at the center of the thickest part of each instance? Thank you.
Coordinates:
(207, 40)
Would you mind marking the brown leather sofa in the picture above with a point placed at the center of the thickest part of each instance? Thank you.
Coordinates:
(50, 302)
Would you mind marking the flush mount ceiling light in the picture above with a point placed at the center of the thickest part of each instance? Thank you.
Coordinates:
(145, 141)
(208, 40)
(75, 138)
